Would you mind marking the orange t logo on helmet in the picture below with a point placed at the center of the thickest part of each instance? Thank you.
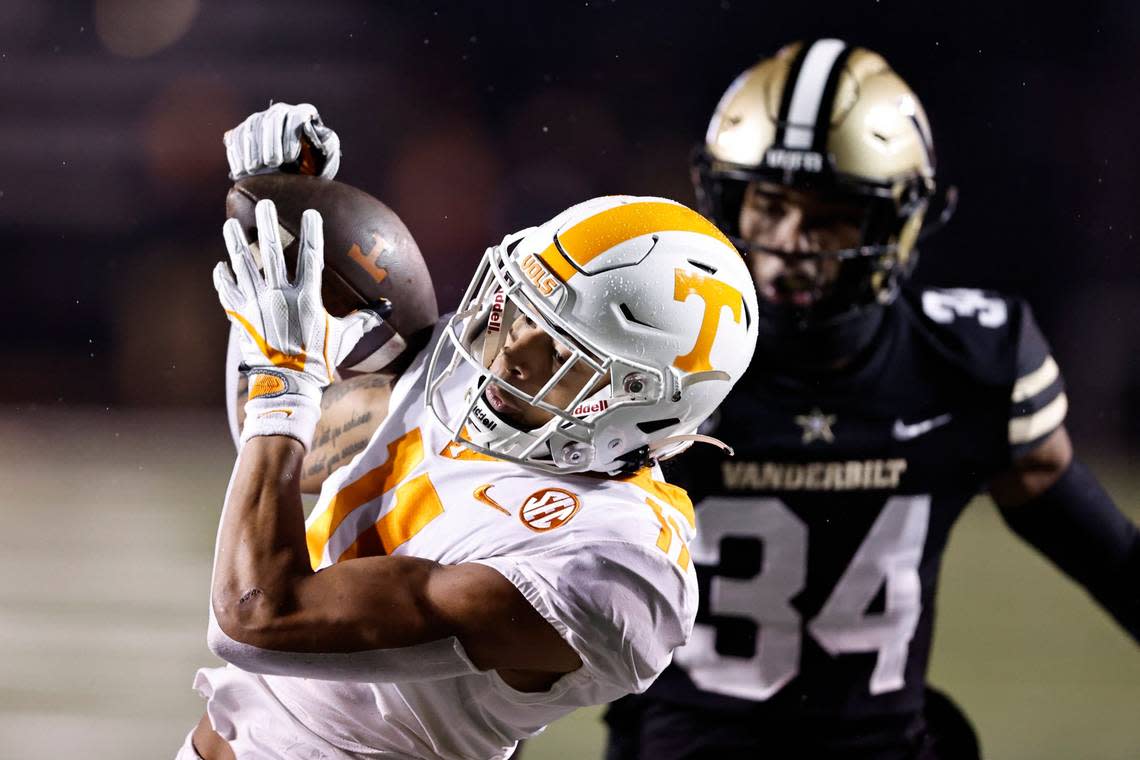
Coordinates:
(716, 295)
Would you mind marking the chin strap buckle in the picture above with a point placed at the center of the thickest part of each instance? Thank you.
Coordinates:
(632, 461)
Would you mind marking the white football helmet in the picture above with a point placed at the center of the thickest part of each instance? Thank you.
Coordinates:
(644, 293)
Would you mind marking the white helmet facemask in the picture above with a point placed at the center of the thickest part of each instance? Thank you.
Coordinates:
(477, 333)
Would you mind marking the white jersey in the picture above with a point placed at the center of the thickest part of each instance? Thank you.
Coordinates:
(604, 560)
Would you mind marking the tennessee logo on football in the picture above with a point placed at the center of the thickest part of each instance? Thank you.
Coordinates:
(370, 262)
(548, 509)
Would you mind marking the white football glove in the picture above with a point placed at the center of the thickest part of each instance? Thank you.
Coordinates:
(270, 138)
(290, 346)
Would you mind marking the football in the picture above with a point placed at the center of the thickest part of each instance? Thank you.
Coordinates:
(369, 254)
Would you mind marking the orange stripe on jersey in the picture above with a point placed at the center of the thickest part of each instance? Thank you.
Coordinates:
(683, 556)
(674, 496)
(417, 504)
(456, 450)
(665, 536)
(595, 235)
(404, 454)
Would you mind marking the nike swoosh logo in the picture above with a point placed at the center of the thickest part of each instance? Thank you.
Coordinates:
(905, 432)
(480, 494)
(267, 412)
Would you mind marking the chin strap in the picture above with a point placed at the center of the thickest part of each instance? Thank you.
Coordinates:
(693, 438)
(643, 456)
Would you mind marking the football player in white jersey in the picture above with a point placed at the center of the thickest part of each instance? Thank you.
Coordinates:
(503, 550)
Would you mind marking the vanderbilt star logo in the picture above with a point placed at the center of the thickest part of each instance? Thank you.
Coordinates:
(817, 426)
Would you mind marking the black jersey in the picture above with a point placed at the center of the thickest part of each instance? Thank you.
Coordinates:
(819, 543)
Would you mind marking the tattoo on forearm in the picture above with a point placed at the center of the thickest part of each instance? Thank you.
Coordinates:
(338, 438)
(332, 433)
(320, 466)
(324, 466)
(357, 420)
(337, 391)
(317, 468)
(351, 450)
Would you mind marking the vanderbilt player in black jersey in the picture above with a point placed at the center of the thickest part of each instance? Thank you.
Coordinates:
(870, 417)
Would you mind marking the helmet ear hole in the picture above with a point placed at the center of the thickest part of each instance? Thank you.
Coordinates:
(628, 314)
(653, 426)
(702, 266)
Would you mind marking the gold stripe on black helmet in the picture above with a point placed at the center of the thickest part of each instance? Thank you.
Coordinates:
(825, 116)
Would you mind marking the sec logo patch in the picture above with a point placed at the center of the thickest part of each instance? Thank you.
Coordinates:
(549, 508)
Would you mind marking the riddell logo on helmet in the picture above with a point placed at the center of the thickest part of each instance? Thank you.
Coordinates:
(590, 407)
(793, 160)
(537, 274)
(484, 418)
(495, 321)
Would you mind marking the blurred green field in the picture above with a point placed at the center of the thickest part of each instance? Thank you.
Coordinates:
(110, 522)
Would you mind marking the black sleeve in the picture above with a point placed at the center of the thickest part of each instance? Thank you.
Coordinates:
(1076, 525)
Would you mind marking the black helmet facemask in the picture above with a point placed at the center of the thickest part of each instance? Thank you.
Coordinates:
(824, 117)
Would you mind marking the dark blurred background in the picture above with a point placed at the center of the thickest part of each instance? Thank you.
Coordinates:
(473, 119)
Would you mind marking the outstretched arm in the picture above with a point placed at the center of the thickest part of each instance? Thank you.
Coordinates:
(1055, 503)
(293, 137)
(273, 613)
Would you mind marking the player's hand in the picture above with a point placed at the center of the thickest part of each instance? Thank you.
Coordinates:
(290, 345)
(275, 137)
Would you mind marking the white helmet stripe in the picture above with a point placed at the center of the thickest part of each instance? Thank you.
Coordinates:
(807, 96)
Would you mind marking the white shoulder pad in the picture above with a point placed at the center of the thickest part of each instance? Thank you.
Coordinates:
(623, 607)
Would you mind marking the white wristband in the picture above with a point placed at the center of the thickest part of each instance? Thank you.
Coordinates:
(281, 403)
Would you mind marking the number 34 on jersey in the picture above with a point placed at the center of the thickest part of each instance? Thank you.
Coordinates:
(889, 554)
